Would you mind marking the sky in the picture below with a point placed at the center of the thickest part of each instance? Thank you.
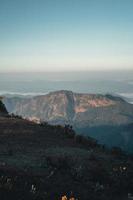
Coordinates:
(65, 35)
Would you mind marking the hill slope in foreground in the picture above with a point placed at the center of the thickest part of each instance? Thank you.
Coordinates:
(107, 118)
(40, 162)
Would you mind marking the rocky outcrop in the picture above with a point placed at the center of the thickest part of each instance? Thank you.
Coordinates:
(3, 110)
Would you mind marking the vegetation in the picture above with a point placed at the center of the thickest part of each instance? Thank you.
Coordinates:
(2, 107)
(42, 162)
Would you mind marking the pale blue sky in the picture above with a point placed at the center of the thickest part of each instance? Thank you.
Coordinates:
(54, 35)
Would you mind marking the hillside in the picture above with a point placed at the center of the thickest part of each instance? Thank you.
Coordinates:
(105, 117)
(47, 162)
(3, 110)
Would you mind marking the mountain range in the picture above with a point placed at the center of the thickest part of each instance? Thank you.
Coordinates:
(107, 118)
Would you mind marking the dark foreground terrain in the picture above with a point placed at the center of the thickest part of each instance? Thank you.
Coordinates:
(43, 162)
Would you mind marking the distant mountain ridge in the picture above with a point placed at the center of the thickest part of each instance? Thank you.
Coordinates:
(66, 106)
(89, 114)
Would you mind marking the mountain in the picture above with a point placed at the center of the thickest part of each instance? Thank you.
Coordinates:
(42, 161)
(107, 118)
(66, 106)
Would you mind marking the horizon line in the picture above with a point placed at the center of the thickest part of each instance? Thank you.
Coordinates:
(67, 71)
